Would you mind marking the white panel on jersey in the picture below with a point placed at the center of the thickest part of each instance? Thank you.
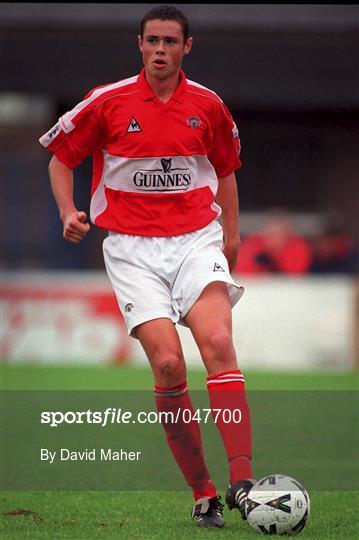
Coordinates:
(159, 174)
(151, 175)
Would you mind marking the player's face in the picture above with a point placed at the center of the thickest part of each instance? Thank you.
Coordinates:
(163, 48)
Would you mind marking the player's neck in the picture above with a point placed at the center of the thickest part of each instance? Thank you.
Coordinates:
(164, 88)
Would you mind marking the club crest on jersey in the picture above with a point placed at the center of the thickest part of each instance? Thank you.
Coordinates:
(193, 122)
(133, 126)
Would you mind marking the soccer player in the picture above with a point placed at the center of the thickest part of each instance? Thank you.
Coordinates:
(164, 153)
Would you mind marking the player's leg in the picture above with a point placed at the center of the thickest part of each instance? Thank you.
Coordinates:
(210, 321)
(161, 343)
(145, 300)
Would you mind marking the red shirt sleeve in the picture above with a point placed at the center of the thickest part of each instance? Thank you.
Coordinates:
(77, 134)
(225, 149)
(87, 137)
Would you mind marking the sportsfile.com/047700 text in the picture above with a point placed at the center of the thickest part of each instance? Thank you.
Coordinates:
(112, 415)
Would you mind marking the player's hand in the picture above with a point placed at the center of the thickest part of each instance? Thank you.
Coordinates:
(231, 250)
(75, 228)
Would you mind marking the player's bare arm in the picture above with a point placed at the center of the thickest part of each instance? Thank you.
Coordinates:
(227, 198)
(61, 180)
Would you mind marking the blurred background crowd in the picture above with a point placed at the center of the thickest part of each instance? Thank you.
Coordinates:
(278, 247)
(289, 75)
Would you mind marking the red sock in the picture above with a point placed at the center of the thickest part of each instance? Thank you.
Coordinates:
(227, 393)
(184, 439)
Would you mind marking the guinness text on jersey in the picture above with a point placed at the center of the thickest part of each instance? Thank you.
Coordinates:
(165, 179)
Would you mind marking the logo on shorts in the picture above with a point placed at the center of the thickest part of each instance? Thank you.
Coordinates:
(193, 122)
(218, 268)
(129, 307)
(167, 178)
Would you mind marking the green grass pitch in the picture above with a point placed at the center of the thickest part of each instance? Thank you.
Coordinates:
(155, 514)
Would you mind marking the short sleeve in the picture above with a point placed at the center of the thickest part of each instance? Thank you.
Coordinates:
(225, 148)
(76, 135)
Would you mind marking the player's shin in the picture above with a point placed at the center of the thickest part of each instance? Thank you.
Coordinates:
(184, 438)
(231, 414)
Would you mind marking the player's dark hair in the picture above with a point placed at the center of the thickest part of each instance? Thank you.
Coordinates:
(166, 13)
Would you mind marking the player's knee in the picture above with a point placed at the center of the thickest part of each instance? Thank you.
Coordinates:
(220, 343)
(218, 351)
(169, 367)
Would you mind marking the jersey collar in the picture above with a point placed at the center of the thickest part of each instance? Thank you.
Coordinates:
(146, 91)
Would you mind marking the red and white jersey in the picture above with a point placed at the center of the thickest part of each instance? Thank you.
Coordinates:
(155, 165)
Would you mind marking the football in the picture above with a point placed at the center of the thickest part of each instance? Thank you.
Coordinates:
(278, 505)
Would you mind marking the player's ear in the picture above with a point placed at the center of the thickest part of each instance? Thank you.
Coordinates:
(139, 41)
(188, 45)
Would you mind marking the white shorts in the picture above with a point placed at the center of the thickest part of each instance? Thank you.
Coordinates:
(162, 277)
